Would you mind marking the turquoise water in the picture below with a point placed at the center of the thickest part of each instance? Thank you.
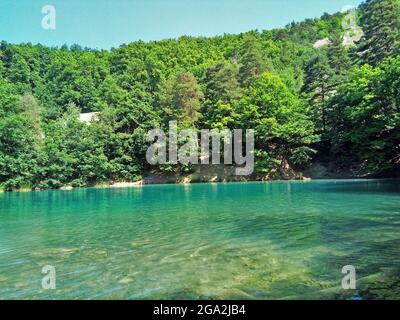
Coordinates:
(280, 240)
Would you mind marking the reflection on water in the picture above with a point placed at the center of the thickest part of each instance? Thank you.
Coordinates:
(282, 240)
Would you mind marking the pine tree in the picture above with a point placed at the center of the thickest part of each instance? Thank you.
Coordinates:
(338, 57)
(181, 98)
(341, 65)
(222, 90)
(319, 85)
(222, 83)
(252, 61)
(380, 22)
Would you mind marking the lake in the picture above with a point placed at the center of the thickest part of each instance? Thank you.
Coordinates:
(278, 240)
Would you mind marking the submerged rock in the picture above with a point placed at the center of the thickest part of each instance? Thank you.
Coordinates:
(125, 280)
(54, 252)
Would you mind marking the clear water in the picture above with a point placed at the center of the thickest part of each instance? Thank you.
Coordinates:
(281, 240)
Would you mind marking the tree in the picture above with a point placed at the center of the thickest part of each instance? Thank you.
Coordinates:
(17, 152)
(339, 59)
(319, 86)
(8, 98)
(371, 129)
(381, 23)
(182, 98)
(17, 157)
(222, 83)
(280, 120)
(31, 108)
(222, 91)
(72, 153)
(252, 63)
(272, 81)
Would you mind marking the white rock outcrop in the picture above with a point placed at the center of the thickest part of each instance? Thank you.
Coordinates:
(89, 117)
(322, 43)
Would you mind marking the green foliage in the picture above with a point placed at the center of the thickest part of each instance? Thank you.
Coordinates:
(72, 154)
(319, 85)
(17, 156)
(279, 118)
(302, 156)
(274, 82)
(222, 92)
(222, 83)
(381, 23)
(252, 61)
(370, 123)
(339, 59)
(182, 97)
(8, 98)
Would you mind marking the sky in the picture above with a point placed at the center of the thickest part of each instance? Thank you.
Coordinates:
(104, 24)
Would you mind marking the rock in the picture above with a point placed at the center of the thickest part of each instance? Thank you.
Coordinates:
(127, 184)
(89, 117)
(97, 254)
(125, 280)
(353, 36)
(233, 294)
(66, 188)
(185, 180)
(322, 43)
(54, 252)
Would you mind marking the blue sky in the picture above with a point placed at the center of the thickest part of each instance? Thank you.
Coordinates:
(110, 23)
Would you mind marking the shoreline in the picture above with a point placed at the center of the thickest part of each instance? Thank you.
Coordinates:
(142, 183)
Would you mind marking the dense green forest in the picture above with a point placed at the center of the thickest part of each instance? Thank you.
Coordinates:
(305, 103)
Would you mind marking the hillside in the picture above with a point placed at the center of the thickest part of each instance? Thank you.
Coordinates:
(338, 102)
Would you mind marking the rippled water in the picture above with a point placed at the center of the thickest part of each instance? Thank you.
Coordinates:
(281, 240)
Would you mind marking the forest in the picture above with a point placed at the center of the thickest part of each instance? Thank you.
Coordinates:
(307, 103)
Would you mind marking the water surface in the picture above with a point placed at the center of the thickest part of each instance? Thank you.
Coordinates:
(280, 240)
